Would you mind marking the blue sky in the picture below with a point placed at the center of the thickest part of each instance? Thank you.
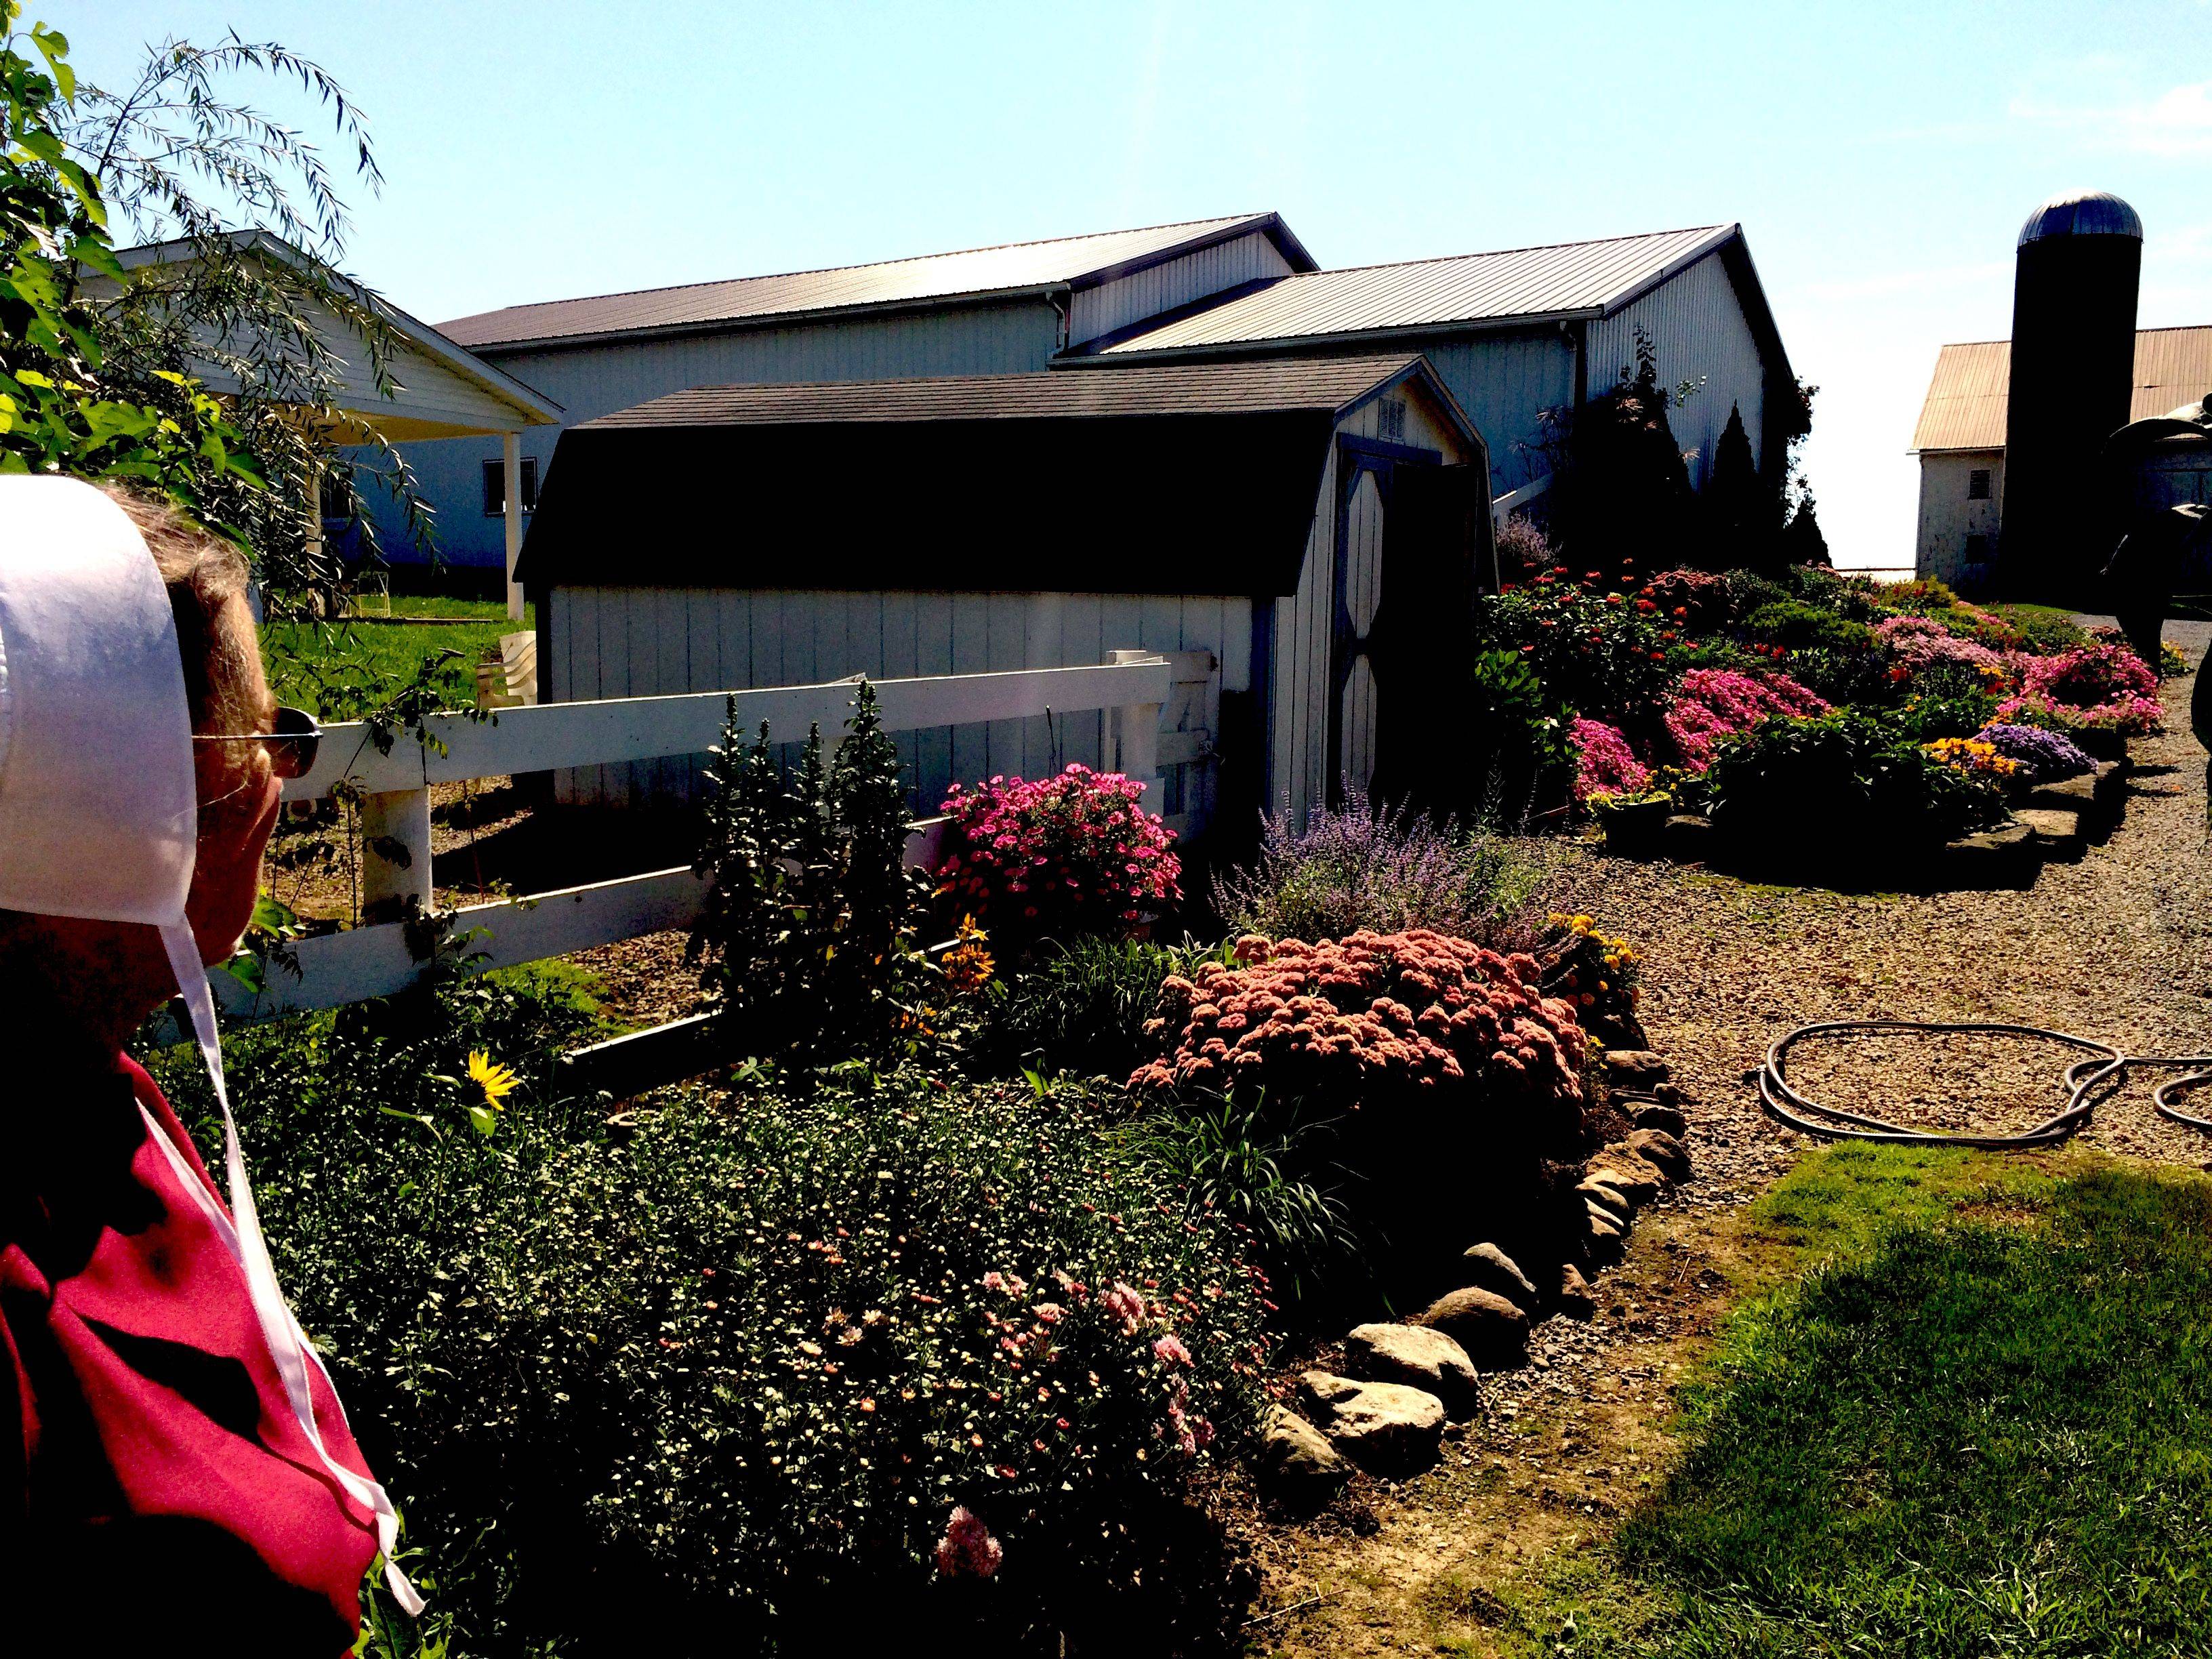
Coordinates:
(1881, 157)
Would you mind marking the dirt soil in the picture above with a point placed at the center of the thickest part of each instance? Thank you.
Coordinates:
(2113, 947)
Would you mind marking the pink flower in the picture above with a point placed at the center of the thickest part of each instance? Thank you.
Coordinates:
(1712, 703)
(1607, 765)
(1170, 1348)
(1125, 1305)
(968, 1550)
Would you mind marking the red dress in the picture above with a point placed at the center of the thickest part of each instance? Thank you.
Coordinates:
(165, 1482)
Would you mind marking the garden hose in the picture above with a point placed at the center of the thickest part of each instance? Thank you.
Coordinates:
(2102, 1064)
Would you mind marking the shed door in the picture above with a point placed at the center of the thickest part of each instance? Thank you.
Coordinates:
(1402, 609)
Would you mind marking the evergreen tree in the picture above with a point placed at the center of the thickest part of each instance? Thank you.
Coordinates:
(1738, 507)
(1801, 540)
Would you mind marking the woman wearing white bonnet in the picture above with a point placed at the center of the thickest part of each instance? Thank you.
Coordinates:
(179, 1438)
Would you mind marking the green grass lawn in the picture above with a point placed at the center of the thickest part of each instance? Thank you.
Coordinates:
(1973, 1418)
(343, 668)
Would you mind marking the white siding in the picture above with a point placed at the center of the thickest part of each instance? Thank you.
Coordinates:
(1947, 517)
(640, 641)
(592, 380)
(1162, 288)
(1696, 324)
(1505, 382)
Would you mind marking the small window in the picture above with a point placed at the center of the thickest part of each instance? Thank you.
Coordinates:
(494, 487)
(1391, 420)
(1978, 547)
(1978, 484)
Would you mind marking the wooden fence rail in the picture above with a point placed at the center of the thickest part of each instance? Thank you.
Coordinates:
(376, 959)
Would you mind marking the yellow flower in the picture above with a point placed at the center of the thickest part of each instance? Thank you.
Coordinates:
(968, 965)
(496, 1081)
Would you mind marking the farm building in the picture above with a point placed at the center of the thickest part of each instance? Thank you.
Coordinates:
(1960, 440)
(1511, 335)
(432, 392)
(2018, 431)
(1299, 536)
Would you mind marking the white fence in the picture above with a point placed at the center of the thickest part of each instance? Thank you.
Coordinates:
(376, 960)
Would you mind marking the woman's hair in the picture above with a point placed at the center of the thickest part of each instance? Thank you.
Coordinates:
(203, 573)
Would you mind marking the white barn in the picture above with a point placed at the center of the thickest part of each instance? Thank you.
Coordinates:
(1302, 536)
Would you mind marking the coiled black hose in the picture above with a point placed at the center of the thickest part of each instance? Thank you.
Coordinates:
(2103, 1065)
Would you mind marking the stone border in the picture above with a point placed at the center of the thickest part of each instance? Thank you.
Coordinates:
(1404, 1383)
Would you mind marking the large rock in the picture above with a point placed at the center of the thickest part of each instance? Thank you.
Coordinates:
(1418, 1356)
(1605, 1233)
(1634, 1068)
(1661, 1150)
(1628, 1172)
(1386, 1428)
(1498, 1273)
(1494, 1333)
(1665, 1119)
(1606, 1197)
(1296, 1462)
(1575, 1299)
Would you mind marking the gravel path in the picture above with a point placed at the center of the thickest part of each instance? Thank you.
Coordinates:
(2116, 948)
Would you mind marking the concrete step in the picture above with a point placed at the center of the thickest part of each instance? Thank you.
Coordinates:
(2057, 831)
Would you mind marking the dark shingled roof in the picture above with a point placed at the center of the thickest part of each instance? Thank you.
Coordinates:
(1072, 260)
(1167, 478)
(1317, 383)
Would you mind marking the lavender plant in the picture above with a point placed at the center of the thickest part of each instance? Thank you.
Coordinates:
(1391, 872)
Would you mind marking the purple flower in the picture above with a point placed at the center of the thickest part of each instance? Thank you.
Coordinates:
(2045, 756)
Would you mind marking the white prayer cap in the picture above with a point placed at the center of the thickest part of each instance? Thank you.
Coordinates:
(97, 817)
(99, 821)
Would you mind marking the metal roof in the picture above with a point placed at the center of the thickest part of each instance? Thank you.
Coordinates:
(2082, 213)
(1568, 279)
(532, 406)
(1326, 384)
(1966, 403)
(1012, 267)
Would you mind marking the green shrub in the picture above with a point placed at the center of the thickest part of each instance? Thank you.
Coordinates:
(1518, 755)
(1795, 626)
(1924, 595)
(1849, 597)
(1080, 1008)
(2044, 630)
(806, 939)
(1747, 591)
(1952, 711)
(1865, 678)
(1848, 784)
(1597, 652)
(1271, 1177)
(739, 1361)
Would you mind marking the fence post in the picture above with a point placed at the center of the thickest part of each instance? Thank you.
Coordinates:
(395, 855)
(1136, 738)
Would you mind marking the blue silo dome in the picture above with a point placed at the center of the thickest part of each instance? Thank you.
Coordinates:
(2082, 213)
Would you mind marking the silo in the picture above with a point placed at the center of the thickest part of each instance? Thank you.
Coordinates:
(2074, 279)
